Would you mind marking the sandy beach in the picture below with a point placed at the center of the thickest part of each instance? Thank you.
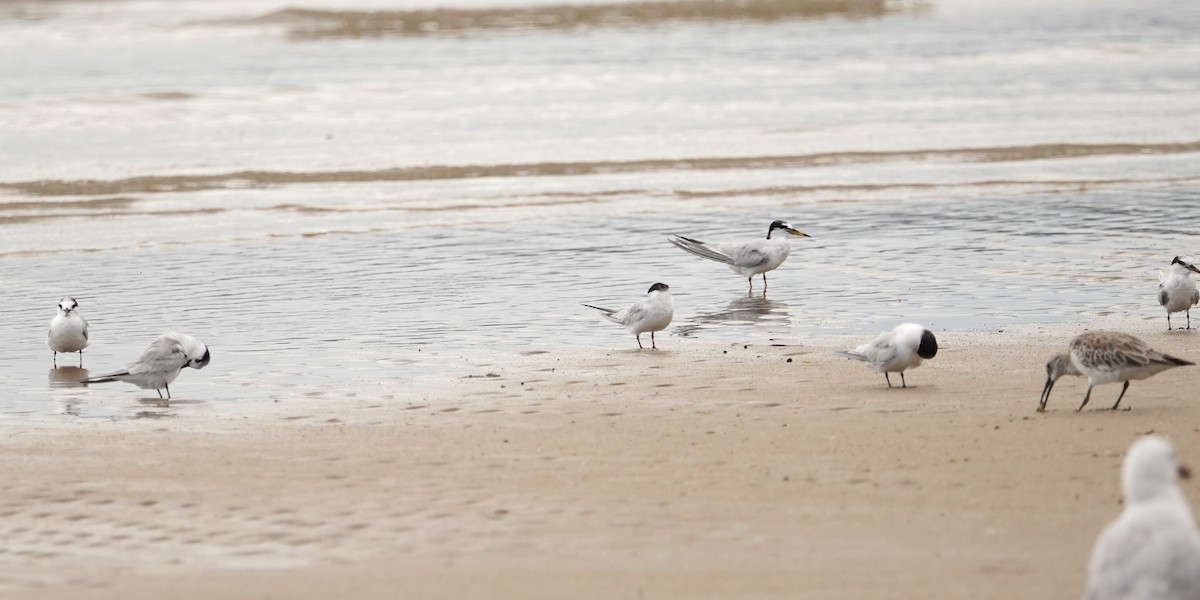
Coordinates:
(700, 470)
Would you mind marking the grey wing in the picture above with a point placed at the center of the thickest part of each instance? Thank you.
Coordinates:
(633, 314)
(747, 256)
(85, 327)
(882, 352)
(1162, 295)
(163, 355)
(1195, 297)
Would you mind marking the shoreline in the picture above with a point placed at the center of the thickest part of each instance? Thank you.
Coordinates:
(703, 469)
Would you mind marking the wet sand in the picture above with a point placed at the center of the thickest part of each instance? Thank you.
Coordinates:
(701, 470)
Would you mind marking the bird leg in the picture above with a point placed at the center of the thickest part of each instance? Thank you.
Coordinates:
(750, 279)
(888, 379)
(55, 358)
(1169, 321)
(652, 346)
(159, 392)
(1086, 397)
(639, 339)
(168, 386)
(81, 358)
(1189, 317)
(764, 284)
(902, 382)
(1121, 395)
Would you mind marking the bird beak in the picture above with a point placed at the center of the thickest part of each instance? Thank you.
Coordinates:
(1045, 394)
(1184, 472)
(802, 234)
(1193, 269)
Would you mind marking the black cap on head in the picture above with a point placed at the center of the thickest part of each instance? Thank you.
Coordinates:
(658, 287)
(1177, 261)
(928, 347)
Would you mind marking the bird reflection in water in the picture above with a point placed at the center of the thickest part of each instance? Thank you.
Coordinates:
(744, 310)
(67, 377)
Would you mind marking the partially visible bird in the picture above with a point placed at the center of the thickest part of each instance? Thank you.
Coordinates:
(904, 347)
(1152, 550)
(68, 330)
(747, 258)
(1106, 357)
(652, 313)
(161, 362)
(1177, 292)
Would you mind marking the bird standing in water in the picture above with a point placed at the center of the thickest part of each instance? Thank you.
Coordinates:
(68, 330)
(747, 258)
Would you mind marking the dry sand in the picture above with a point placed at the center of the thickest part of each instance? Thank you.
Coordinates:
(698, 471)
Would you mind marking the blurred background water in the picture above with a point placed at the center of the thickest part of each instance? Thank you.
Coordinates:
(337, 197)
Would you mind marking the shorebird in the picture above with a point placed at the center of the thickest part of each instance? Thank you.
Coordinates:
(1152, 550)
(1177, 292)
(894, 351)
(748, 258)
(161, 362)
(68, 330)
(652, 313)
(1106, 357)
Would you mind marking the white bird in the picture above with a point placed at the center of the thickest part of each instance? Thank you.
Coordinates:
(1152, 550)
(748, 258)
(160, 364)
(894, 351)
(652, 313)
(1177, 292)
(68, 330)
(1106, 357)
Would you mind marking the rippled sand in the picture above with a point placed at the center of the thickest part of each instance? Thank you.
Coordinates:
(714, 470)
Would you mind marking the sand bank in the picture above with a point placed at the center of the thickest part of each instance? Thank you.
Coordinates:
(701, 470)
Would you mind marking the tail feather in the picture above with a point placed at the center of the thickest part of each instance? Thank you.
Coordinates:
(849, 354)
(606, 313)
(107, 377)
(700, 249)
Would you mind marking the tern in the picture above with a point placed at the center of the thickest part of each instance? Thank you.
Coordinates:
(68, 330)
(652, 313)
(1177, 292)
(161, 362)
(904, 347)
(748, 258)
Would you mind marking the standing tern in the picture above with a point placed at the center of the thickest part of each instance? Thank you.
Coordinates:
(897, 350)
(652, 313)
(68, 330)
(1152, 550)
(160, 364)
(748, 258)
(1177, 292)
(1106, 357)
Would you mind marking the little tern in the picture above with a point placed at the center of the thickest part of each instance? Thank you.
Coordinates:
(1177, 292)
(68, 330)
(747, 258)
(161, 362)
(904, 347)
(652, 313)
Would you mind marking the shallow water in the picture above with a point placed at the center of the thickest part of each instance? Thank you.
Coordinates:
(338, 212)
